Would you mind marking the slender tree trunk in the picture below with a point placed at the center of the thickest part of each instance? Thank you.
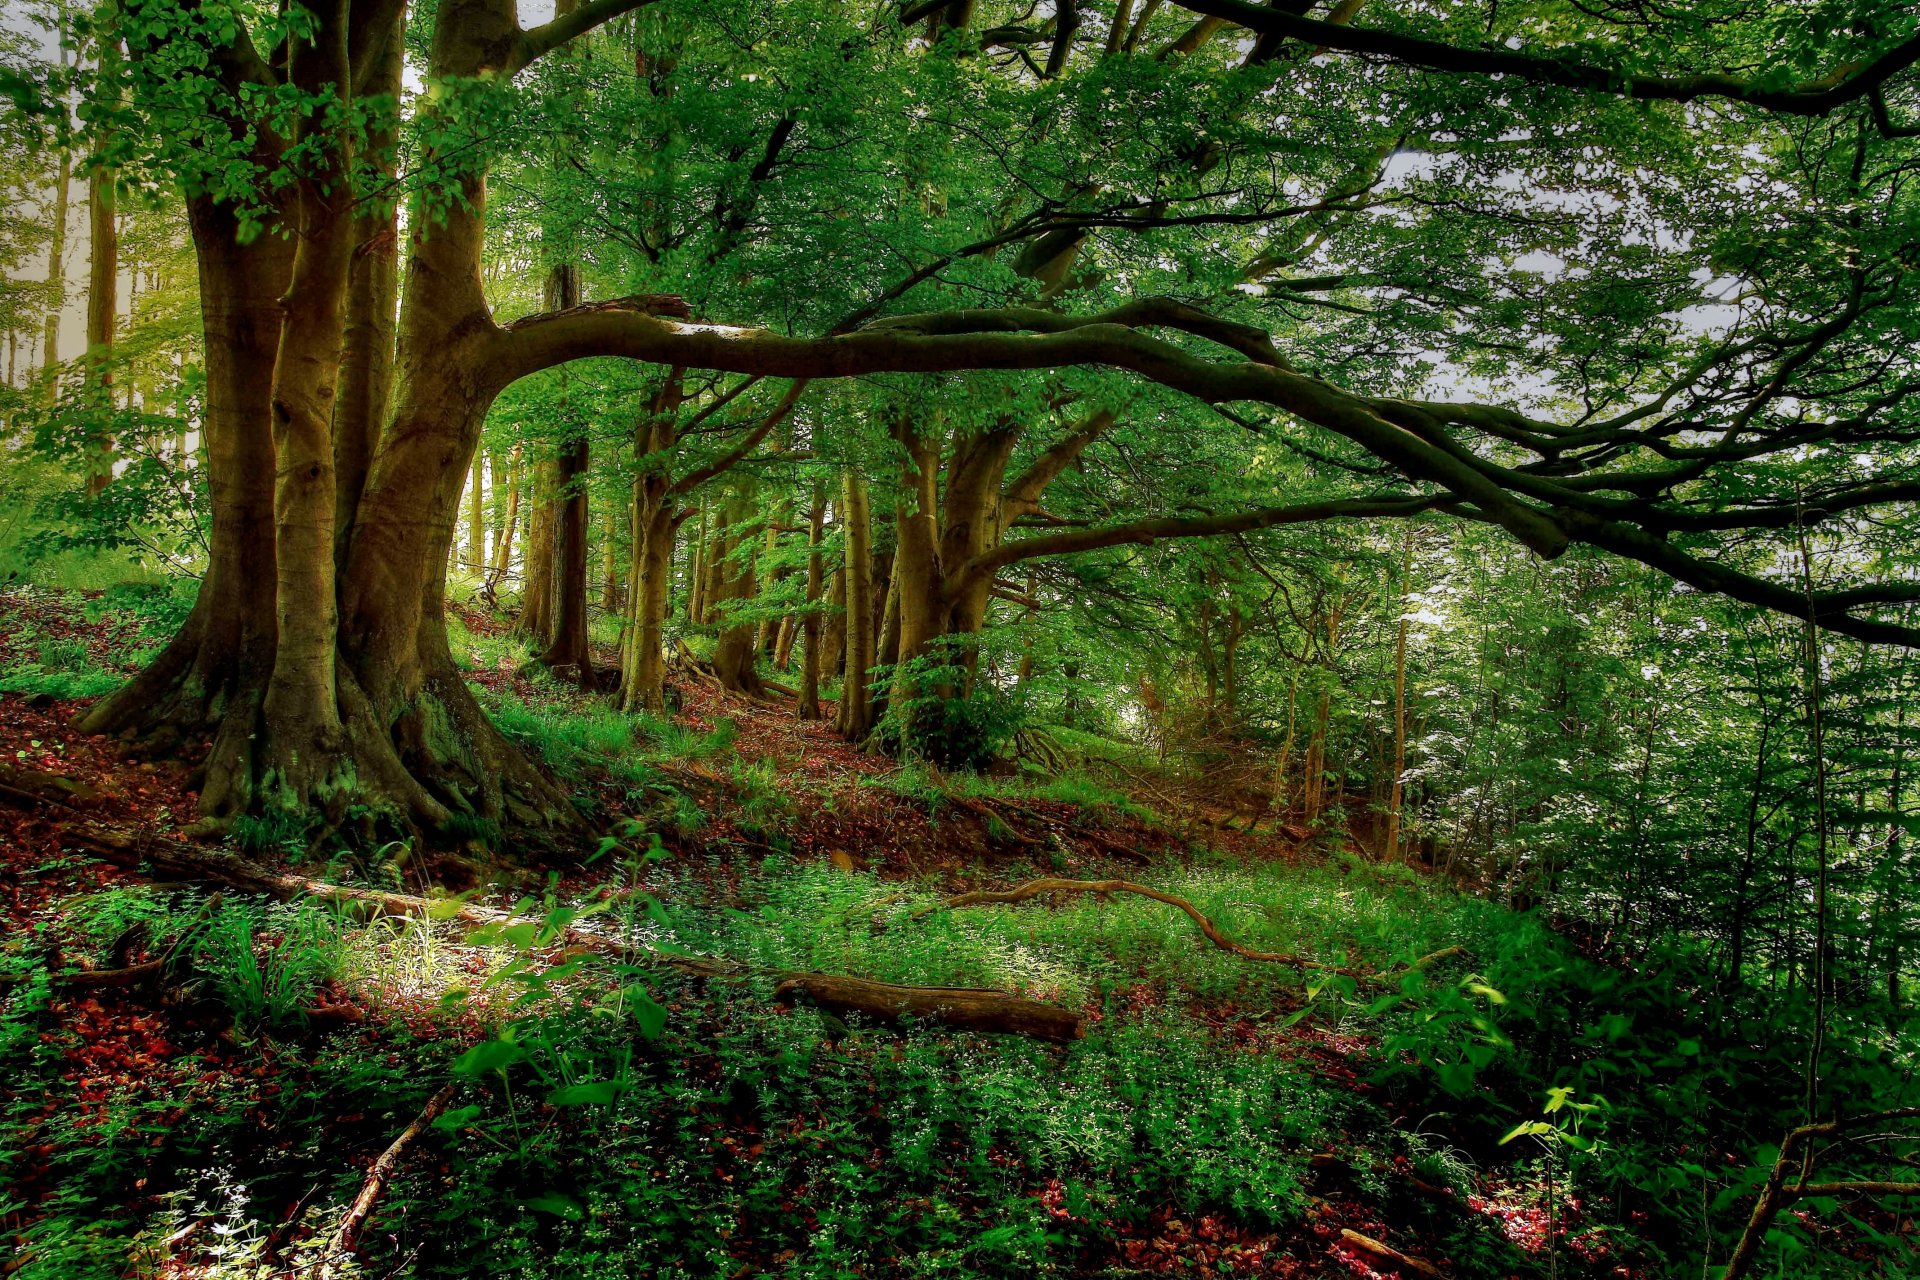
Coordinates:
(656, 524)
(696, 571)
(713, 566)
(610, 585)
(734, 652)
(567, 653)
(833, 645)
(477, 514)
(103, 304)
(536, 591)
(509, 521)
(1400, 700)
(643, 683)
(809, 700)
(856, 707)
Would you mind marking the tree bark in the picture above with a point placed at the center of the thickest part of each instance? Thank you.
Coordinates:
(734, 651)
(856, 705)
(208, 683)
(103, 302)
(567, 653)
(809, 700)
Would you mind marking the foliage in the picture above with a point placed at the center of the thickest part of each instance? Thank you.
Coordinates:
(941, 713)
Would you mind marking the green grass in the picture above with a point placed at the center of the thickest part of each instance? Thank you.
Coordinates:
(788, 1143)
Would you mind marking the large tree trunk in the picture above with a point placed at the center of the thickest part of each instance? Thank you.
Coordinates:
(333, 693)
(208, 683)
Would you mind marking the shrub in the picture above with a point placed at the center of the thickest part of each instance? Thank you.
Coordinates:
(944, 713)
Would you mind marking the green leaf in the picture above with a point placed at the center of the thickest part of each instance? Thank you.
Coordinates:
(560, 1206)
(458, 1118)
(489, 1055)
(1531, 1129)
(592, 1093)
(648, 1013)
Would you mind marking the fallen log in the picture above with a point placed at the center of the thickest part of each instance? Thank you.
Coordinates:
(1387, 1253)
(969, 1008)
(996, 1011)
(346, 1233)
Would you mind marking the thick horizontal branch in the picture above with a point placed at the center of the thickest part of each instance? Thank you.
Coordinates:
(537, 42)
(1411, 438)
(1816, 98)
(1146, 532)
(1826, 609)
(1020, 338)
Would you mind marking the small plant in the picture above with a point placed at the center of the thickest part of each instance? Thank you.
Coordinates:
(268, 984)
(271, 831)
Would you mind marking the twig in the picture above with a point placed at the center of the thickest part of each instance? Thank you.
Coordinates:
(347, 1233)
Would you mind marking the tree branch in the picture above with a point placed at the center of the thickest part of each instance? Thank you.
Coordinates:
(1815, 98)
(537, 42)
(1146, 532)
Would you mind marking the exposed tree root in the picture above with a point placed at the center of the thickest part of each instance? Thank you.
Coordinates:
(96, 979)
(970, 1010)
(1039, 888)
(347, 1233)
(421, 758)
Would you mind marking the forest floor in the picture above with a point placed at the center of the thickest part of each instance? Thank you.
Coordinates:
(214, 1115)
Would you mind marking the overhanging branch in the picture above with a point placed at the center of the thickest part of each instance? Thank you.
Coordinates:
(1814, 98)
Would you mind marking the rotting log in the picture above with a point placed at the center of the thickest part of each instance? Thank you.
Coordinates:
(995, 1011)
(967, 1008)
(1387, 1253)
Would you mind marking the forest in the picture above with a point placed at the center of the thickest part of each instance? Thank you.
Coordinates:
(959, 638)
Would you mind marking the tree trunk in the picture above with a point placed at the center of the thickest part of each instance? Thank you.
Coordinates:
(643, 679)
(567, 653)
(656, 523)
(697, 572)
(56, 273)
(833, 645)
(809, 700)
(208, 683)
(1392, 850)
(856, 707)
(509, 521)
(610, 563)
(734, 652)
(536, 591)
(103, 297)
(477, 514)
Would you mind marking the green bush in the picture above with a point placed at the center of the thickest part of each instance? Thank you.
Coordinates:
(942, 712)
